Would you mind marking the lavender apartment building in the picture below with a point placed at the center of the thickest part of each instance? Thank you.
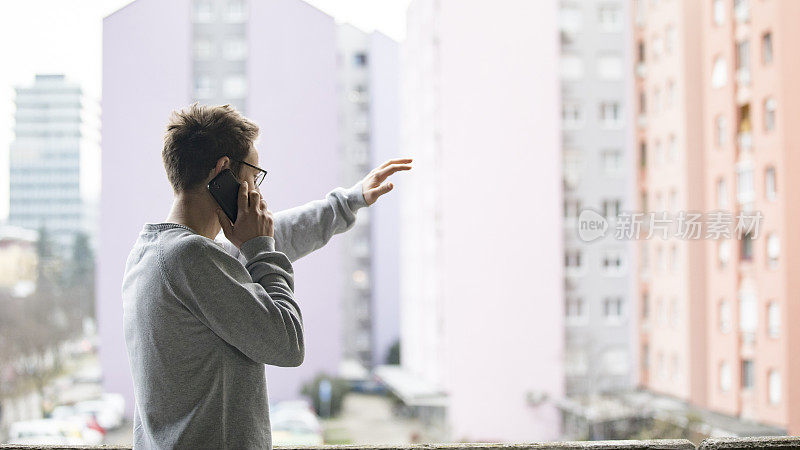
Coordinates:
(368, 84)
(161, 56)
(482, 284)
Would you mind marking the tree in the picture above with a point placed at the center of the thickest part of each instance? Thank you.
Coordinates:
(393, 356)
(339, 388)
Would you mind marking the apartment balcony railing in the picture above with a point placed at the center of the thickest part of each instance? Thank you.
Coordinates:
(745, 141)
(768, 442)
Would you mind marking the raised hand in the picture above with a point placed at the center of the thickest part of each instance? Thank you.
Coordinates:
(371, 184)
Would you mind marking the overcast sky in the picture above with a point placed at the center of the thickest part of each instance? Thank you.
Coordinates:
(65, 36)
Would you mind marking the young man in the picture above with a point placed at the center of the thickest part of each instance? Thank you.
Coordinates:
(202, 317)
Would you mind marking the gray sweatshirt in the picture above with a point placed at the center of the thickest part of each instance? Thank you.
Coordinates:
(201, 319)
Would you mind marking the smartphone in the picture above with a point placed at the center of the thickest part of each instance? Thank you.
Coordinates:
(225, 190)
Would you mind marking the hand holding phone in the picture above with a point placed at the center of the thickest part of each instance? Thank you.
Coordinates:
(251, 218)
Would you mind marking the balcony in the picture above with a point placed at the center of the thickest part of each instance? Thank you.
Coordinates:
(766, 442)
(641, 70)
(745, 139)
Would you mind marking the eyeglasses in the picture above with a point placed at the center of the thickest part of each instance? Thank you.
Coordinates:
(261, 174)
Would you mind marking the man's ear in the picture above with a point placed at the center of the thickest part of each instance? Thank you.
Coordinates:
(222, 164)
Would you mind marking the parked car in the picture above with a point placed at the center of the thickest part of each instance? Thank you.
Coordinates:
(295, 423)
(93, 432)
(51, 432)
(106, 413)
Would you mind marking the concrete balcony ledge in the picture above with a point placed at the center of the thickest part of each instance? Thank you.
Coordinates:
(662, 444)
(768, 442)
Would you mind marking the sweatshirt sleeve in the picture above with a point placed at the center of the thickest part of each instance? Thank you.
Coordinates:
(251, 306)
(305, 228)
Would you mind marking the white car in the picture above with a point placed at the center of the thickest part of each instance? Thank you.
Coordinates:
(46, 431)
(106, 414)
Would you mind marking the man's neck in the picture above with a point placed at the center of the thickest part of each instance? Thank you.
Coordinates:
(197, 211)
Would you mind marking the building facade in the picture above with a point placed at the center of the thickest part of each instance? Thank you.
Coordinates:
(221, 51)
(597, 174)
(751, 101)
(56, 144)
(669, 140)
(368, 87)
(481, 297)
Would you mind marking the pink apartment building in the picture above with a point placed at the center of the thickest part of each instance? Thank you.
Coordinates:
(669, 136)
(752, 108)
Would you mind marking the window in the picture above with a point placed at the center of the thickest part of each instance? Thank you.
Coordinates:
(643, 154)
(610, 114)
(612, 309)
(612, 162)
(744, 182)
(203, 86)
(662, 368)
(360, 59)
(575, 311)
(573, 167)
(611, 208)
(640, 12)
(722, 194)
(203, 11)
(658, 46)
(725, 376)
(572, 208)
(722, 131)
(234, 86)
(774, 387)
(203, 49)
(719, 75)
(724, 317)
(748, 312)
(773, 250)
(773, 319)
(645, 306)
(610, 18)
(723, 253)
(570, 19)
(613, 263)
(642, 103)
(769, 114)
(235, 49)
(572, 259)
(741, 9)
(235, 11)
(641, 54)
(748, 377)
(719, 12)
(769, 183)
(571, 67)
(766, 48)
(609, 67)
(571, 115)
(743, 62)
(747, 247)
